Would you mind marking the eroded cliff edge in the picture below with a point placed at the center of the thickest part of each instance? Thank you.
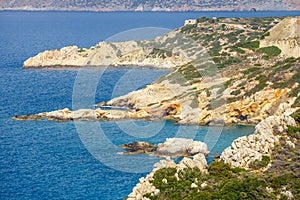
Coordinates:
(232, 71)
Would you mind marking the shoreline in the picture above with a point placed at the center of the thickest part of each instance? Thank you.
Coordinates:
(138, 11)
(38, 117)
(96, 67)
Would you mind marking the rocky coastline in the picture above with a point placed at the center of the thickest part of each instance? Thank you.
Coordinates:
(245, 72)
(207, 83)
(243, 152)
(172, 147)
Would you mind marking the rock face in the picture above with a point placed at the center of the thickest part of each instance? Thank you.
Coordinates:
(247, 149)
(145, 186)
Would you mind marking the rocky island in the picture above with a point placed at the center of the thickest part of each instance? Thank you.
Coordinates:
(222, 71)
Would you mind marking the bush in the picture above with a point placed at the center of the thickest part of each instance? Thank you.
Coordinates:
(249, 44)
(187, 28)
(220, 170)
(81, 50)
(236, 92)
(270, 51)
(250, 70)
(257, 164)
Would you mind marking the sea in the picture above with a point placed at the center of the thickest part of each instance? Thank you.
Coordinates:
(83, 160)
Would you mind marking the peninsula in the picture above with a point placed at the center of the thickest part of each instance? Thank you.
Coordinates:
(223, 71)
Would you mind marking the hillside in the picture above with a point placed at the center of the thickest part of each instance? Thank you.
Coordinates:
(147, 5)
(220, 72)
(238, 83)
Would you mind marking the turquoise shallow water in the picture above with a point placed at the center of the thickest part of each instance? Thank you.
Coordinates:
(51, 160)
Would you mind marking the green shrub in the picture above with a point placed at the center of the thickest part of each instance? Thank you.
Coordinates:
(257, 164)
(249, 44)
(236, 92)
(250, 70)
(294, 131)
(220, 170)
(231, 60)
(160, 53)
(187, 28)
(81, 50)
(270, 51)
(296, 116)
(267, 34)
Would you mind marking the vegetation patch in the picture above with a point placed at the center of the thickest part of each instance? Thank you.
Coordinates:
(249, 44)
(160, 53)
(270, 51)
(81, 50)
(257, 164)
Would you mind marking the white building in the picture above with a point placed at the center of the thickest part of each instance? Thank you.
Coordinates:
(190, 22)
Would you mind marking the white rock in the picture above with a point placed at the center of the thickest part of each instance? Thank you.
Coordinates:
(203, 184)
(289, 194)
(180, 146)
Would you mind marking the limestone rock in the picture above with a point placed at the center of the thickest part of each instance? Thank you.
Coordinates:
(197, 161)
(180, 147)
(244, 150)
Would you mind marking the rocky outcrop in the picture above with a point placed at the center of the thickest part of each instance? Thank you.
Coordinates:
(172, 147)
(247, 149)
(82, 114)
(175, 147)
(130, 53)
(145, 186)
(138, 147)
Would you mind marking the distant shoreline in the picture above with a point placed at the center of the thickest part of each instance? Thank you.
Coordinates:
(148, 11)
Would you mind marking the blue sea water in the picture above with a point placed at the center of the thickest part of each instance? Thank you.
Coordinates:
(51, 160)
